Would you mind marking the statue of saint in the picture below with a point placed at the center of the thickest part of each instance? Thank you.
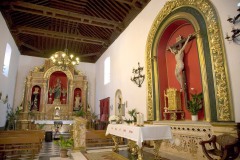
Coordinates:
(178, 51)
(57, 113)
(77, 102)
(57, 89)
(35, 98)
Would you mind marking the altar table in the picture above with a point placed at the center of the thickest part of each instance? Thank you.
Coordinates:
(139, 134)
(49, 125)
(52, 121)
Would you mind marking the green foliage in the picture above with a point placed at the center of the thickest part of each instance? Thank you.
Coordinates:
(195, 104)
(40, 126)
(12, 115)
(93, 116)
(80, 113)
(64, 143)
(128, 121)
(133, 113)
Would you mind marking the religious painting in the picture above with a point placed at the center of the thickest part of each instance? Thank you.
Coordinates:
(119, 105)
(57, 91)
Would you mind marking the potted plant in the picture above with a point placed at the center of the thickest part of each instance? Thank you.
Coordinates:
(195, 105)
(64, 144)
(133, 114)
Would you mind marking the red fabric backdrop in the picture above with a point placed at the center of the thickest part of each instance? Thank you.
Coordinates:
(104, 109)
(53, 79)
(167, 63)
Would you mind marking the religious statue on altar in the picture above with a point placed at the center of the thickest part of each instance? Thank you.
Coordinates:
(57, 91)
(77, 103)
(35, 99)
(57, 113)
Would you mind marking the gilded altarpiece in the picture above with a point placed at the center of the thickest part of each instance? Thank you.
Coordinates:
(56, 93)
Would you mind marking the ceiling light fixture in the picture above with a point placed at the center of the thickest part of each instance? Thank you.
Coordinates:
(63, 59)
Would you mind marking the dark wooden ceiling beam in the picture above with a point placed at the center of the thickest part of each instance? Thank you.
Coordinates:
(31, 47)
(131, 3)
(89, 54)
(64, 15)
(67, 6)
(53, 34)
(117, 9)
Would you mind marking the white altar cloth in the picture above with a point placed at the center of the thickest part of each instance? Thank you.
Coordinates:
(140, 134)
(52, 121)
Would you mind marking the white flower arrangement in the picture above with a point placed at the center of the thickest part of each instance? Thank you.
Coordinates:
(113, 118)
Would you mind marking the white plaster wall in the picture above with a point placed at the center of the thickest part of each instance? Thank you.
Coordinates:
(7, 84)
(27, 63)
(89, 70)
(129, 49)
(125, 53)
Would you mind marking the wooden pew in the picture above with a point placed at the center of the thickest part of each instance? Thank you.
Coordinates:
(96, 138)
(17, 143)
(38, 133)
(16, 147)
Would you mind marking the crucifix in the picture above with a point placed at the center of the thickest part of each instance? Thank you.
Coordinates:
(178, 50)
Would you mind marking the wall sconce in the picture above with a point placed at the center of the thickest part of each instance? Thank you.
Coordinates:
(138, 78)
(234, 20)
(3, 100)
(235, 32)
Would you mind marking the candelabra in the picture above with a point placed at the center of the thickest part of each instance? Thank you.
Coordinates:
(138, 78)
(235, 31)
(3, 100)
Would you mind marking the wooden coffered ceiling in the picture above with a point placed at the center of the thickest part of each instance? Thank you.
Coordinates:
(85, 27)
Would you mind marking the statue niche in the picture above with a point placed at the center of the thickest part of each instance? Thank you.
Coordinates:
(77, 99)
(57, 92)
(35, 98)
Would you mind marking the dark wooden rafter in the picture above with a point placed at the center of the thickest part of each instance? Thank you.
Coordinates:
(54, 34)
(85, 27)
(64, 15)
(31, 47)
(132, 3)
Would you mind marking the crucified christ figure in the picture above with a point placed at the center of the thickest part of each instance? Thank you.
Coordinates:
(178, 51)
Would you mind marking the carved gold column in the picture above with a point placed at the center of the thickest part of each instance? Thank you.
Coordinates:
(70, 97)
(79, 133)
(44, 98)
(24, 120)
(84, 95)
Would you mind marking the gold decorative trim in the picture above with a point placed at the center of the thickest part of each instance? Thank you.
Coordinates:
(217, 54)
(56, 68)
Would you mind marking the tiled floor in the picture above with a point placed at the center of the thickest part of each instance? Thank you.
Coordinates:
(50, 151)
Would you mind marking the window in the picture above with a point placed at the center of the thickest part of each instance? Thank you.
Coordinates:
(107, 71)
(7, 58)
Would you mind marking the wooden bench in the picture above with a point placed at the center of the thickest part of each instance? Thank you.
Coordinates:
(38, 133)
(14, 144)
(97, 138)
